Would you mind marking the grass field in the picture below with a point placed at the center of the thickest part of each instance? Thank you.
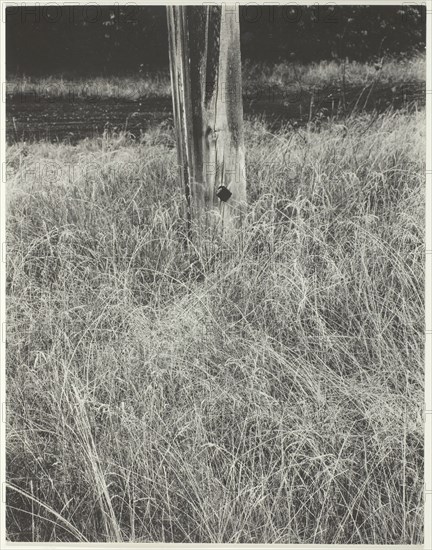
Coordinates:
(265, 389)
(282, 78)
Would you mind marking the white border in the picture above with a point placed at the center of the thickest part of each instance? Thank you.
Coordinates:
(428, 284)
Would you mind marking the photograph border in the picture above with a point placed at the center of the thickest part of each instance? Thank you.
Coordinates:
(428, 282)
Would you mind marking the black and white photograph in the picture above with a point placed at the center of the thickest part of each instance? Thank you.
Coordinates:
(214, 227)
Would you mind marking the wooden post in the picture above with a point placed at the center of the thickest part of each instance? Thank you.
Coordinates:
(204, 48)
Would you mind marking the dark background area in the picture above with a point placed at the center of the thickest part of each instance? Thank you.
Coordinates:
(117, 40)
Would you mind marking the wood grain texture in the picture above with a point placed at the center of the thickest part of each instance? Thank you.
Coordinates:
(204, 47)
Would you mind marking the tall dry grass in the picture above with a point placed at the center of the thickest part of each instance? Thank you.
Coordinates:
(266, 389)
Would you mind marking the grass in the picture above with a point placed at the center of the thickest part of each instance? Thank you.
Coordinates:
(289, 78)
(265, 389)
(284, 78)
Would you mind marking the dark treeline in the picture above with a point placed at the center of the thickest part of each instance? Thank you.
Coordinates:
(106, 40)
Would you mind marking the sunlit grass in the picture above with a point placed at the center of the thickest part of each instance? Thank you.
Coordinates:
(265, 389)
(293, 77)
(258, 78)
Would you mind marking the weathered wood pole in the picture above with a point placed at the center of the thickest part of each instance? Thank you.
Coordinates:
(204, 49)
